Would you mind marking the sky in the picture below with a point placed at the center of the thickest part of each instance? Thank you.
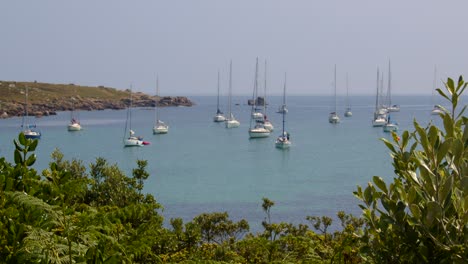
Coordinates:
(185, 43)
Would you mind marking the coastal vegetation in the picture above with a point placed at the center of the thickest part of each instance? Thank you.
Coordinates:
(47, 98)
(69, 213)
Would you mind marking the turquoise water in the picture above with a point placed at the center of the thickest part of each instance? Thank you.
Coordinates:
(201, 166)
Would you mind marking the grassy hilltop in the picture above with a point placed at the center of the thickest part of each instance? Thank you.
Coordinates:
(46, 98)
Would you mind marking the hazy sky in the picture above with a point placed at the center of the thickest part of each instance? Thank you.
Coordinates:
(117, 43)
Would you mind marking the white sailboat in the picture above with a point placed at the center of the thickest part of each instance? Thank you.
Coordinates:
(380, 117)
(257, 129)
(348, 112)
(219, 117)
(29, 130)
(231, 121)
(266, 123)
(389, 125)
(74, 124)
(437, 109)
(390, 107)
(131, 140)
(333, 117)
(159, 127)
(282, 141)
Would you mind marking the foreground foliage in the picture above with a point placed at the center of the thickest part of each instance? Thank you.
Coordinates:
(71, 214)
(422, 216)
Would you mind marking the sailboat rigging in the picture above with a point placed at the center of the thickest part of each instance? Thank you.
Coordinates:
(348, 112)
(257, 128)
(266, 123)
(219, 117)
(282, 141)
(159, 127)
(29, 130)
(231, 121)
(333, 118)
(131, 140)
(74, 124)
(437, 109)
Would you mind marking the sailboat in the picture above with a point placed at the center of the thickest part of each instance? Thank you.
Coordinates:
(29, 131)
(131, 140)
(266, 123)
(257, 129)
(437, 109)
(348, 112)
(282, 141)
(74, 124)
(389, 125)
(333, 118)
(380, 117)
(390, 107)
(231, 121)
(160, 127)
(219, 117)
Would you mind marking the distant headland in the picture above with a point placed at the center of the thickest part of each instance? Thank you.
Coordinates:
(47, 99)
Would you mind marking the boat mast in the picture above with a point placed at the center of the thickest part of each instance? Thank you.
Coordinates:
(25, 121)
(230, 90)
(130, 109)
(157, 98)
(335, 88)
(284, 101)
(347, 93)
(389, 93)
(434, 85)
(217, 104)
(265, 88)
(254, 103)
(377, 94)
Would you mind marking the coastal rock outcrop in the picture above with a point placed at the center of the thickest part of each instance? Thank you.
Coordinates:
(47, 99)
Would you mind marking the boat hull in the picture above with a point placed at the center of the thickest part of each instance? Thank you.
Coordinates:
(390, 127)
(282, 145)
(334, 119)
(32, 134)
(269, 126)
(232, 123)
(160, 130)
(379, 122)
(219, 118)
(259, 133)
(131, 142)
(74, 127)
(348, 114)
(257, 116)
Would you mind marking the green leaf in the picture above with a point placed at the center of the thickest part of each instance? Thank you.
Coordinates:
(450, 86)
(18, 158)
(30, 161)
(448, 125)
(22, 139)
(442, 93)
(33, 145)
(380, 183)
(17, 145)
(415, 211)
(389, 145)
(368, 195)
(404, 138)
(443, 150)
(446, 189)
(433, 212)
(412, 195)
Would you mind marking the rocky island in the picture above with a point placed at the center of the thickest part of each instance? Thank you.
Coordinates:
(47, 99)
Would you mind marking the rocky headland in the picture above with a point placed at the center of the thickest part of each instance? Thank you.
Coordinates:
(48, 99)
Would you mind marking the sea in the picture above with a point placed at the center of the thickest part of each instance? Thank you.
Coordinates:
(200, 166)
